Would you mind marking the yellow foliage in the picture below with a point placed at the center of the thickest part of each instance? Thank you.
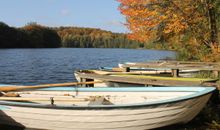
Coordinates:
(146, 15)
(148, 19)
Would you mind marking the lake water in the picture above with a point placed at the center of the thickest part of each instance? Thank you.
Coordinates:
(36, 66)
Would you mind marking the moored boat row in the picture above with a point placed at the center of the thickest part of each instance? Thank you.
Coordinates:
(117, 79)
(157, 73)
(137, 96)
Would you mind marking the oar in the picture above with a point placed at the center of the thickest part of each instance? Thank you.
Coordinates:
(17, 88)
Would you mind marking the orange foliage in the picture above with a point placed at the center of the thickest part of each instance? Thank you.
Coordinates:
(144, 17)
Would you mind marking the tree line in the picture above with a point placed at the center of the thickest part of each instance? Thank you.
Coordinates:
(94, 38)
(34, 35)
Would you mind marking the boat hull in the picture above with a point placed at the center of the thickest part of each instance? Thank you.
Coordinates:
(145, 117)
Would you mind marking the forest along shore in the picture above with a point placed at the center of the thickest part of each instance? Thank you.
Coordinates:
(34, 35)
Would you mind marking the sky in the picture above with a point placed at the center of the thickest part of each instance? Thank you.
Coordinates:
(102, 14)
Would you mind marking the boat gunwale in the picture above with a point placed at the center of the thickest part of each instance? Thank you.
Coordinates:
(201, 91)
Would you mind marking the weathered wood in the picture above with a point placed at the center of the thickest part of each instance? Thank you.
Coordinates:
(82, 80)
(175, 72)
(17, 88)
(218, 87)
(125, 69)
(215, 73)
(144, 81)
(10, 94)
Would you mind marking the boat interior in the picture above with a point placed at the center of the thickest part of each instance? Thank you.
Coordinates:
(86, 98)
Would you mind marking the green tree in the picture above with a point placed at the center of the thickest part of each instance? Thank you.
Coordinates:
(42, 37)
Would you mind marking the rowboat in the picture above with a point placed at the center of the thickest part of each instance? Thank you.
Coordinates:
(183, 72)
(123, 79)
(171, 64)
(133, 68)
(71, 108)
(182, 66)
(134, 71)
(152, 71)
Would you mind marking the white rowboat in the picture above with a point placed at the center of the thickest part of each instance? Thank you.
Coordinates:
(110, 108)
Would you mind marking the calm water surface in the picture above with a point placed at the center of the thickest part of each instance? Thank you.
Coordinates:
(36, 66)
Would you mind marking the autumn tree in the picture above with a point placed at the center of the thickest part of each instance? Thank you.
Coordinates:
(163, 20)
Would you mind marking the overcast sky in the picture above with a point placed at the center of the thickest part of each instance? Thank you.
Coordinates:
(102, 14)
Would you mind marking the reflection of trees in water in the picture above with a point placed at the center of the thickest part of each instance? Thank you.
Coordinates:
(4, 118)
